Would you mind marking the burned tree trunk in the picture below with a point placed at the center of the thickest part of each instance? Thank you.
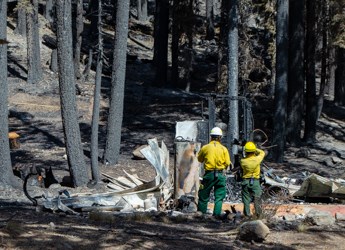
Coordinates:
(21, 18)
(280, 97)
(296, 73)
(339, 94)
(223, 48)
(96, 101)
(209, 20)
(69, 113)
(142, 10)
(49, 11)
(182, 43)
(311, 101)
(113, 143)
(161, 42)
(6, 176)
(77, 41)
(35, 73)
(51, 43)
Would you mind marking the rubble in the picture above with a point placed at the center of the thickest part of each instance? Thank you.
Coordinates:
(178, 192)
(128, 193)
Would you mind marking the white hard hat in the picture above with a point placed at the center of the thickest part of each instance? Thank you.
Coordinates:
(216, 131)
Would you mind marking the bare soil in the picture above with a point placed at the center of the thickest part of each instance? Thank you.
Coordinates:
(149, 113)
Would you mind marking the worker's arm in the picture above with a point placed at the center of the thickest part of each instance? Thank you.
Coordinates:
(227, 158)
(260, 154)
(201, 157)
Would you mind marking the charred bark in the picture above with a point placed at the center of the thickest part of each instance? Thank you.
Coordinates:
(6, 176)
(161, 34)
(296, 78)
(21, 19)
(35, 73)
(339, 93)
(113, 143)
(280, 96)
(209, 20)
(311, 100)
(69, 113)
(96, 101)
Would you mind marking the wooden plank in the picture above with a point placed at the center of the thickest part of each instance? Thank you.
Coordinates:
(140, 179)
(115, 186)
(133, 178)
(124, 181)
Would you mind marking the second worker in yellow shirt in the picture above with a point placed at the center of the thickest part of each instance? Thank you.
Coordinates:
(251, 187)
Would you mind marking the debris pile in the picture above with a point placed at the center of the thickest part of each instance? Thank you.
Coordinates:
(128, 193)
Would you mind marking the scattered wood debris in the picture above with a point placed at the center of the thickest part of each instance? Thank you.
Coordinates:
(128, 192)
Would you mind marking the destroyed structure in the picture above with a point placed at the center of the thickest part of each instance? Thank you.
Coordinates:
(178, 190)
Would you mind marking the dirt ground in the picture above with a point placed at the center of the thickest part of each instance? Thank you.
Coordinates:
(149, 113)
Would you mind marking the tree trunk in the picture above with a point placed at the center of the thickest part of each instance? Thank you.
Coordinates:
(311, 102)
(142, 10)
(296, 73)
(92, 13)
(175, 34)
(339, 94)
(160, 57)
(209, 20)
(69, 113)
(233, 128)
(222, 82)
(79, 27)
(53, 61)
(21, 19)
(6, 176)
(35, 73)
(324, 57)
(280, 96)
(113, 143)
(49, 11)
(96, 101)
(182, 43)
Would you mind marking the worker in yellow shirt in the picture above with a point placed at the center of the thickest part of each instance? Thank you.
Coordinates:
(216, 159)
(250, 165)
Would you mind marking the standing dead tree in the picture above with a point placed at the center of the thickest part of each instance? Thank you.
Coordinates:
(113, 142)
(35, 73)
(71, 129)
(96, 101)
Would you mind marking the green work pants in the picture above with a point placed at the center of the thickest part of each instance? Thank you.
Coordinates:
(248, 192)
(210, 180)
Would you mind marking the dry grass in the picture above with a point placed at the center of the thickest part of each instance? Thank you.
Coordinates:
(302, 227)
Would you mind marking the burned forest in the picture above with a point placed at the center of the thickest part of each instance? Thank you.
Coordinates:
(105, 106)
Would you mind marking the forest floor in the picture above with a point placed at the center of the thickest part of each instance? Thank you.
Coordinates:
(148, 113)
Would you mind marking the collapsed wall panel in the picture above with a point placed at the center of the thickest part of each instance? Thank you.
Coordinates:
(187, 169)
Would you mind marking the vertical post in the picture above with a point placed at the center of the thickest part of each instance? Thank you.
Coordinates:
(233, 129)
(211, 113)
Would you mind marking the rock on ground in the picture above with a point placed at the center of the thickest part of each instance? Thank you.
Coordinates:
(253, 231)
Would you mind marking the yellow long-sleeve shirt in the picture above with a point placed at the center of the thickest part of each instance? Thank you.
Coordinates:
(251, 164)
(214, 156)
